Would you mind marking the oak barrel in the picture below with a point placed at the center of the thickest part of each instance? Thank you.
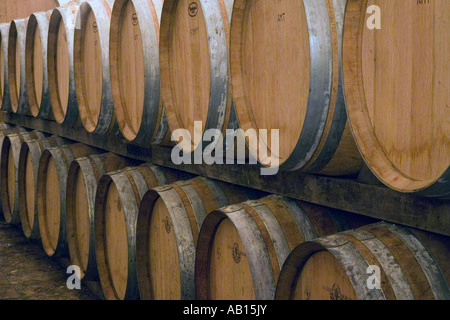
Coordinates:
(5, 102)
(117, 202)
(60, 64)
(16, 66)
(29, 156)
(36, 65)
(82, 179)
(381, 261)
(91, 61)
(286, 74)
(396, 88)
(51, 194)
(9, 173)
(241, 248)
(194, 67)
(135, 70)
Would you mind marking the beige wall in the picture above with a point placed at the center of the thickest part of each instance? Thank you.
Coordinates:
(13, 9)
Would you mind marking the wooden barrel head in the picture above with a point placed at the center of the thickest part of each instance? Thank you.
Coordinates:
(30, 195)
(185, 64)
(230, 274)
(14, 66)
(165, 268)
(80, 223)
(116, 242)
(91, 60)
(51, 215)
(270, 66)
(323, 278)
(397, 89)
(11, 179)
(36, 64)
(128, 57)
(60, 64)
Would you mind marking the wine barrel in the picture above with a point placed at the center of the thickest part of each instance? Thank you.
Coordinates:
(5, 99)
(135, 71)
(170, 218)
(117, 202)
(241, 248)
(9, 173)
(286, 75)
(51, 195)
(8, 176)
(29, 156)
(194, 67)
(60, 65)
(396, 88)
(91, 60)
(84, 174)
(36, 65)
(412, 265)
(19, 9)
(16, 66)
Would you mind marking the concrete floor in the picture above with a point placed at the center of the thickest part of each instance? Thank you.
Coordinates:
(26, 273)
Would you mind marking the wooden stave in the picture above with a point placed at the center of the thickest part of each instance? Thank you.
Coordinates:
(186, 198)
(154, 127)
(6, 98)
(343, 247)
(65, 15)
(9, 215)
(219, 113)
(325, 145)
(38, 22)
(370, 149)
(130, 194)
(62, 156)
(260, 230)
(106, 121)
(16, 41)
(93, 167)
(34, 147)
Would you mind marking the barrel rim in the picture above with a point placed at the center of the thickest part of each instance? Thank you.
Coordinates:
(66, 17)
(152, 108)
(38, 21)
(106, 118)
(218, 73)
(321, 53)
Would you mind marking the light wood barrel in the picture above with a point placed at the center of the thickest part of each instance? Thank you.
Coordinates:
(5, 99)
(194, 66)
(84, 174)
(241, 248)
(412, 264)
(19, 9)
(91, 59)
(60, 64)
(51, 194)
(36, 65)
(135, 70)
(8, 173)
(117, 202)
(29, 156)
(396, 88)
(286, 74)
(16, 66)
(169, 222)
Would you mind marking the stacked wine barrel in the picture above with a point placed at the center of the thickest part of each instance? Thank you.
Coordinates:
(341, 94)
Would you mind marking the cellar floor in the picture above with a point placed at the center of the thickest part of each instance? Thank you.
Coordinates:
(26, 273)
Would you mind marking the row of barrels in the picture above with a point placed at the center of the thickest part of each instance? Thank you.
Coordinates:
(147, 232)
(341, 92)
